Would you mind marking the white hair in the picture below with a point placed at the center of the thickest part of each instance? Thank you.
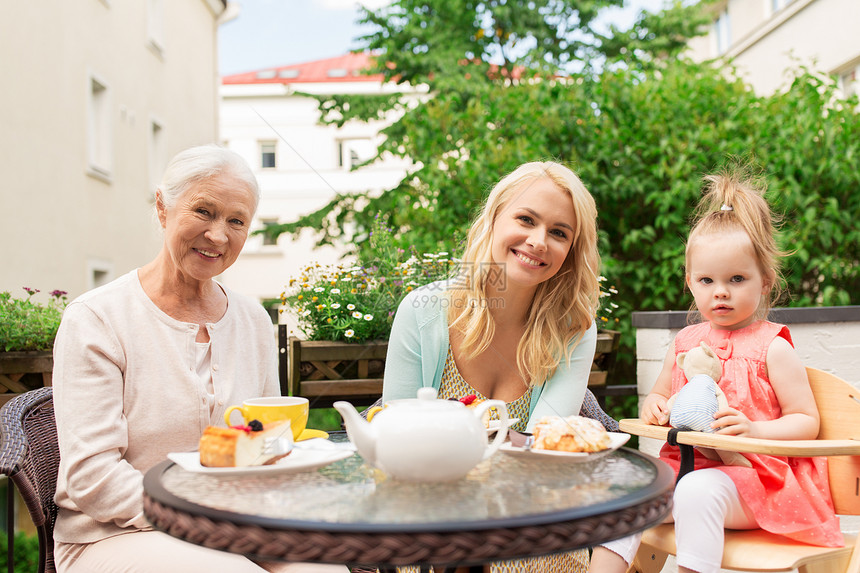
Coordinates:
(202, 162)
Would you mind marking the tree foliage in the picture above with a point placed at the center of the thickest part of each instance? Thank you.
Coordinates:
(641, 142)
(641, 136)
(421, 41)
(655, 36)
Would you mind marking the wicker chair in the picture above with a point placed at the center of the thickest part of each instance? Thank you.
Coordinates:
(29, 457)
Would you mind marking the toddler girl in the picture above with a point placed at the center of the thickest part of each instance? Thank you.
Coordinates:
(732, 269)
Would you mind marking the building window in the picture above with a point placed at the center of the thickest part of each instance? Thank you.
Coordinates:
(157, 153)
(848, 82)
(267, 239)
(267, 154)
(352, 152)
(777, 5)
(100, 273)
(722, 32)
(155, 24)
(99, 128)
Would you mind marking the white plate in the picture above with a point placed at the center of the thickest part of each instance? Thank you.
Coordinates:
(617, 439)
(300, 460)
(494, 425)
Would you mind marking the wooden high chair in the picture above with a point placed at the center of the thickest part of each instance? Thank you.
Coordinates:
(757, 550)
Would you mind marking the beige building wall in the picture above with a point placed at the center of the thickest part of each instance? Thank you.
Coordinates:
(767, 38)
(97, 96)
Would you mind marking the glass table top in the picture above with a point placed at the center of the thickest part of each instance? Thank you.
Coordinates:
(504, 489)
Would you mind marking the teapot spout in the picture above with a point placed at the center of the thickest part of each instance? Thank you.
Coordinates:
(360, 432)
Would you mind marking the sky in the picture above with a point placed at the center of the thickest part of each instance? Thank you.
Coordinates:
(270, 33)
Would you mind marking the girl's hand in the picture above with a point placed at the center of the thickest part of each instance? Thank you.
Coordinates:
(731, 422)
(654, 410)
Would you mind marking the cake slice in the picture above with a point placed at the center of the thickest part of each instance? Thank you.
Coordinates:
(242, 446)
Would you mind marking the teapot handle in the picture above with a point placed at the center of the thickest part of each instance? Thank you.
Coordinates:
(502, 434)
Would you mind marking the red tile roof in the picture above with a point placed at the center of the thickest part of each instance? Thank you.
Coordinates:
(346, 68)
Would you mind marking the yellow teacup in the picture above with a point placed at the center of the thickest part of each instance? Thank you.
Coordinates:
(274, 409)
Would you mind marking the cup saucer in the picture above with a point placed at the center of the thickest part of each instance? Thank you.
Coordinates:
(309, 433)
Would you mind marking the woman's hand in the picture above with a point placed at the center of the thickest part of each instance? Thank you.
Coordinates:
(731, 422)
(654, 409)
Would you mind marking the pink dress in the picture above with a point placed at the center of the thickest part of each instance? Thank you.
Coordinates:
(788, 496)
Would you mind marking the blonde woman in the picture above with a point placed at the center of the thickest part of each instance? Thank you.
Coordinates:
(516, 324)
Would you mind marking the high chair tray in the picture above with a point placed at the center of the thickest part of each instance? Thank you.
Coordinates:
(797, 448)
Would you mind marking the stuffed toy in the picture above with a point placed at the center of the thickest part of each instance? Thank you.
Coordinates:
(694, 406)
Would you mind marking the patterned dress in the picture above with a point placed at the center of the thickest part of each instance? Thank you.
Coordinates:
(453, 386)
(788, 496)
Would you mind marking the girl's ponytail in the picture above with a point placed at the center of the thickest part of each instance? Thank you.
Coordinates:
(733, 200)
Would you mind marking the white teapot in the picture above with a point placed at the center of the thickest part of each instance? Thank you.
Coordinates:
(424, 439)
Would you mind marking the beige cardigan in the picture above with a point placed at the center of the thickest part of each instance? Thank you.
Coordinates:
(126, 393)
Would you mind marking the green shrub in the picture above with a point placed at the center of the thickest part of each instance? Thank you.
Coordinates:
(325, 419)
(26, 553)
(29, 325)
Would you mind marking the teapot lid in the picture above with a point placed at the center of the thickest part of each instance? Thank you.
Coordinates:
(427, 393)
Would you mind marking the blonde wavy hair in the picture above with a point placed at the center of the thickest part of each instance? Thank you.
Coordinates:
(734, 201)
(563, 307)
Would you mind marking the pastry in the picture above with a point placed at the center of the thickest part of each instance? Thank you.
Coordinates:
(570, 434)
(240, 446)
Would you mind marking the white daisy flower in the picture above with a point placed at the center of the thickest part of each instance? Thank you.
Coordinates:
(350, 306)
(356, 314)
(349, 333)
(368, 317)
(335, 305)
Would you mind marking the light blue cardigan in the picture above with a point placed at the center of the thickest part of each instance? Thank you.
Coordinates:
(418, 348)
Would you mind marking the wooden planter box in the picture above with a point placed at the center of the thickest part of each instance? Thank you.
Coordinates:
(24, 371)
(325, 372)
(601, 380)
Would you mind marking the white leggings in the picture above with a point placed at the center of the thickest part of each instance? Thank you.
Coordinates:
(705, 503)
(149, 551)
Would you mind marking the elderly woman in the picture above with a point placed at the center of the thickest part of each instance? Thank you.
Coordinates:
(142, 365)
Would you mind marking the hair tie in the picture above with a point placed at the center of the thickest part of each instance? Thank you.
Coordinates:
(726, 208)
